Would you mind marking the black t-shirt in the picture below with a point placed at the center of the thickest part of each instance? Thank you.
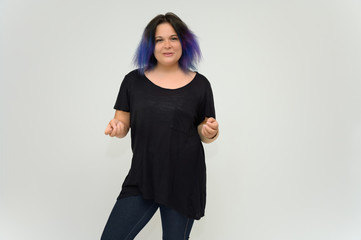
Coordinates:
(168, 163)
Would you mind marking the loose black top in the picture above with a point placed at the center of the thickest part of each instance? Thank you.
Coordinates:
(168, 162)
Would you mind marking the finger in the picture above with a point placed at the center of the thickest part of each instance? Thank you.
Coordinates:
(114, 131)
(210, 120)
(204, 131)
(119, 129)
(213, 125)
(120, 125)
(113, 123)
(208, 132)
(108, 130)
(212, 129)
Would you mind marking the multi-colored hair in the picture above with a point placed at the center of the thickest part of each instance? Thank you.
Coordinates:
(191, 54)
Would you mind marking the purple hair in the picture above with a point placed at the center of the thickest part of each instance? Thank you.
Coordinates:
(191, 54)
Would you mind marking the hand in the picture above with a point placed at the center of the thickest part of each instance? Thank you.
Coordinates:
(210, 128)
(115, 128)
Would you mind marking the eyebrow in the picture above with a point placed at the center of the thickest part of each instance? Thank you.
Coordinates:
(174, 35)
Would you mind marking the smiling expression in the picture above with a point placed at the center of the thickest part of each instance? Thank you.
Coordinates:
(168, 49)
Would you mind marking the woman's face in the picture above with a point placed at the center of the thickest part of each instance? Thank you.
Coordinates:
(168, 49)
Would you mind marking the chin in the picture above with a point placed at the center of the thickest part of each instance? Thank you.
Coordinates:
(169, 64)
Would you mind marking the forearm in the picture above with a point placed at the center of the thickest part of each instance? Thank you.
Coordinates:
(124, 118)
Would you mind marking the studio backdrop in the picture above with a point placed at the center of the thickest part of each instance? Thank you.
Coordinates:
(286, 77)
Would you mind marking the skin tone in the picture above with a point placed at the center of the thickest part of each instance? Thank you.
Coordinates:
(168, 51)
(167, 74)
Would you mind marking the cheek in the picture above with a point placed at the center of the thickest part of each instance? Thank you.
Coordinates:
(156, 48)
(156, 51)
(179, 46)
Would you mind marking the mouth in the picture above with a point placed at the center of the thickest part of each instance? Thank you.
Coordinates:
(168, 54)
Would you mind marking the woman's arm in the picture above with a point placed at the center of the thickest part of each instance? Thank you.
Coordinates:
(119, 125)
(208, 130)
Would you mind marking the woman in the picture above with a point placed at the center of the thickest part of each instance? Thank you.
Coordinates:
(170, 110)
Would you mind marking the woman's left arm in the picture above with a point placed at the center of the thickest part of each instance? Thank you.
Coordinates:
(208, 130)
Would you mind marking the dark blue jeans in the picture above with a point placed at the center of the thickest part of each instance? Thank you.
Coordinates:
(131, 214)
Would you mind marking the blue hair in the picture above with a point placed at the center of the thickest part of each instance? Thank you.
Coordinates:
(191, 53)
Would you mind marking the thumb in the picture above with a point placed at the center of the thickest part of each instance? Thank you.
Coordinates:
(211, 120)
(108, 129)
(212, 123)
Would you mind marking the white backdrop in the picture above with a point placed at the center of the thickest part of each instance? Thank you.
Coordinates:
(286, 77)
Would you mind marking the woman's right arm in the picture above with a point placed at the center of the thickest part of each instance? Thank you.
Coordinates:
(119, 125)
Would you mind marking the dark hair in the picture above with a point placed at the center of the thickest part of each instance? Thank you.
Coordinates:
(191, 54)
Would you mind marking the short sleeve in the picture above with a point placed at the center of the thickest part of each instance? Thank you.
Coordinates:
(122, 103)
(209, 110)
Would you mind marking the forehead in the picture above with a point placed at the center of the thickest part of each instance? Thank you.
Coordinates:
(164, 30)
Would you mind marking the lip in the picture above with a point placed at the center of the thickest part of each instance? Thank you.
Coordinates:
(169, 54)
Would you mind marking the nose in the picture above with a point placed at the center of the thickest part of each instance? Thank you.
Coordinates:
(167, 44)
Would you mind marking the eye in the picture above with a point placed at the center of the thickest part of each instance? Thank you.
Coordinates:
(174, 38)
(158, 40)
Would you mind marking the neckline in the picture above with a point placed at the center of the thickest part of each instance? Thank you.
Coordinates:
(171, 89)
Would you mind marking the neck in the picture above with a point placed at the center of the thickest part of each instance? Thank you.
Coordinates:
(168, 69)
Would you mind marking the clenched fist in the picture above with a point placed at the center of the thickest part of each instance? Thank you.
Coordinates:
(208, 130)
(116, 128)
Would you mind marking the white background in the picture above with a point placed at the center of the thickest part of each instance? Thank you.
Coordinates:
(286, 77)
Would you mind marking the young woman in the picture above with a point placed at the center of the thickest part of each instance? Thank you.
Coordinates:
(169, 109)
